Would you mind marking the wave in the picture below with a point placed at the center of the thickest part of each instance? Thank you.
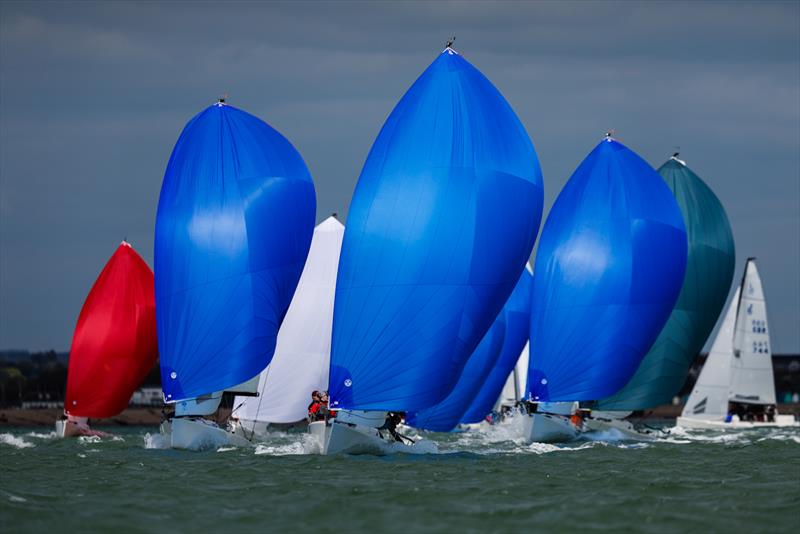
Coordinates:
(15, 441)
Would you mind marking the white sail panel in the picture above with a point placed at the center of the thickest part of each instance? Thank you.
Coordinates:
(752, 380)
(302, 354)
(709, 398)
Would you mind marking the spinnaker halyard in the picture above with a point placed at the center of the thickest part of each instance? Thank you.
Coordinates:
(234, 224)
(442, 221)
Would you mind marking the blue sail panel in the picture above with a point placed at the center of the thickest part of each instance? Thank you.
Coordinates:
(233, 228)
(444, 416)
(442, 221)
(608, 270)
(517, 314)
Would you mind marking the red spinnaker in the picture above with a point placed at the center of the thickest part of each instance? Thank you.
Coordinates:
(114, 345)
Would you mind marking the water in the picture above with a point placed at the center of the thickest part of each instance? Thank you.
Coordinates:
(484, 481)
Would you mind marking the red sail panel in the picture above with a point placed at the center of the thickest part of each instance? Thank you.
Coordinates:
(114, 345)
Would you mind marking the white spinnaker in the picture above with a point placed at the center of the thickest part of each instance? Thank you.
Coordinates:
(752, 380)
(302, 353)
(709, 398)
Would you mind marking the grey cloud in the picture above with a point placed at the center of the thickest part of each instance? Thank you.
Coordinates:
(93, 96)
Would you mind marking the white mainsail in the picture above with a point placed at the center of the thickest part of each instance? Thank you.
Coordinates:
(302, 354)
(709, 398)
(752, 380)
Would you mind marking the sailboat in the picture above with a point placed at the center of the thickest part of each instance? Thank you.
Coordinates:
(736, 387)
(493, 395)
(234, 225)
(114, 345)
(608, 270)
(302, 354)
(709, 272)
(442, 222)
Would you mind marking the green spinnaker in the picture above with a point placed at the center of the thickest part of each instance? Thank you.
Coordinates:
(709, 273)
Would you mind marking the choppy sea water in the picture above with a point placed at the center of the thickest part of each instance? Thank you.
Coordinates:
(478, 481)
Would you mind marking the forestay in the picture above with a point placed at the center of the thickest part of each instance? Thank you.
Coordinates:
(608, 271)
(709, 272)
(234, 224)
(442, 221)
(302, 355)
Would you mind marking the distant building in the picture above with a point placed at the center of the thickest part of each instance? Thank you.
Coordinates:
(148, 396)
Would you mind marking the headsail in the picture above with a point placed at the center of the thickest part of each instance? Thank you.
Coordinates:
(442, 221)
(517, 314)
(709, 397)
(752, 379)
(444, 416)
(114, 345)
(302, 354)
(234, 224)
(608, 271)
(709, 272)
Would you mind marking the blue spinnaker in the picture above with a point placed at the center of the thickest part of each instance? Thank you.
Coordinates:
(444, 416)
(234, 224)
(608, 271)
(442, 221)
(709, 273)
(517, 313)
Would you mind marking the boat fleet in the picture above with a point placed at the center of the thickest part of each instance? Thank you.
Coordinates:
(423, 310)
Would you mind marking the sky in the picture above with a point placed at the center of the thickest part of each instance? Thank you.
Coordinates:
(94, 95)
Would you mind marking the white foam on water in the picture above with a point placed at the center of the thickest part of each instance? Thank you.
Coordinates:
(39, 435)
(83, 440)
(300, 444)
(156, 441)
(15, 441)
(13, 498)
(226, 449)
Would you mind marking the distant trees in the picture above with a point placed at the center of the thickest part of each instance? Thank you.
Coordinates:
(39, 376)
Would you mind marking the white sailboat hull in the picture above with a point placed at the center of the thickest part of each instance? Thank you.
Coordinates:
(336, 437)
(343, 438)
(196, 434)
(781, 421)
(546, 428)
